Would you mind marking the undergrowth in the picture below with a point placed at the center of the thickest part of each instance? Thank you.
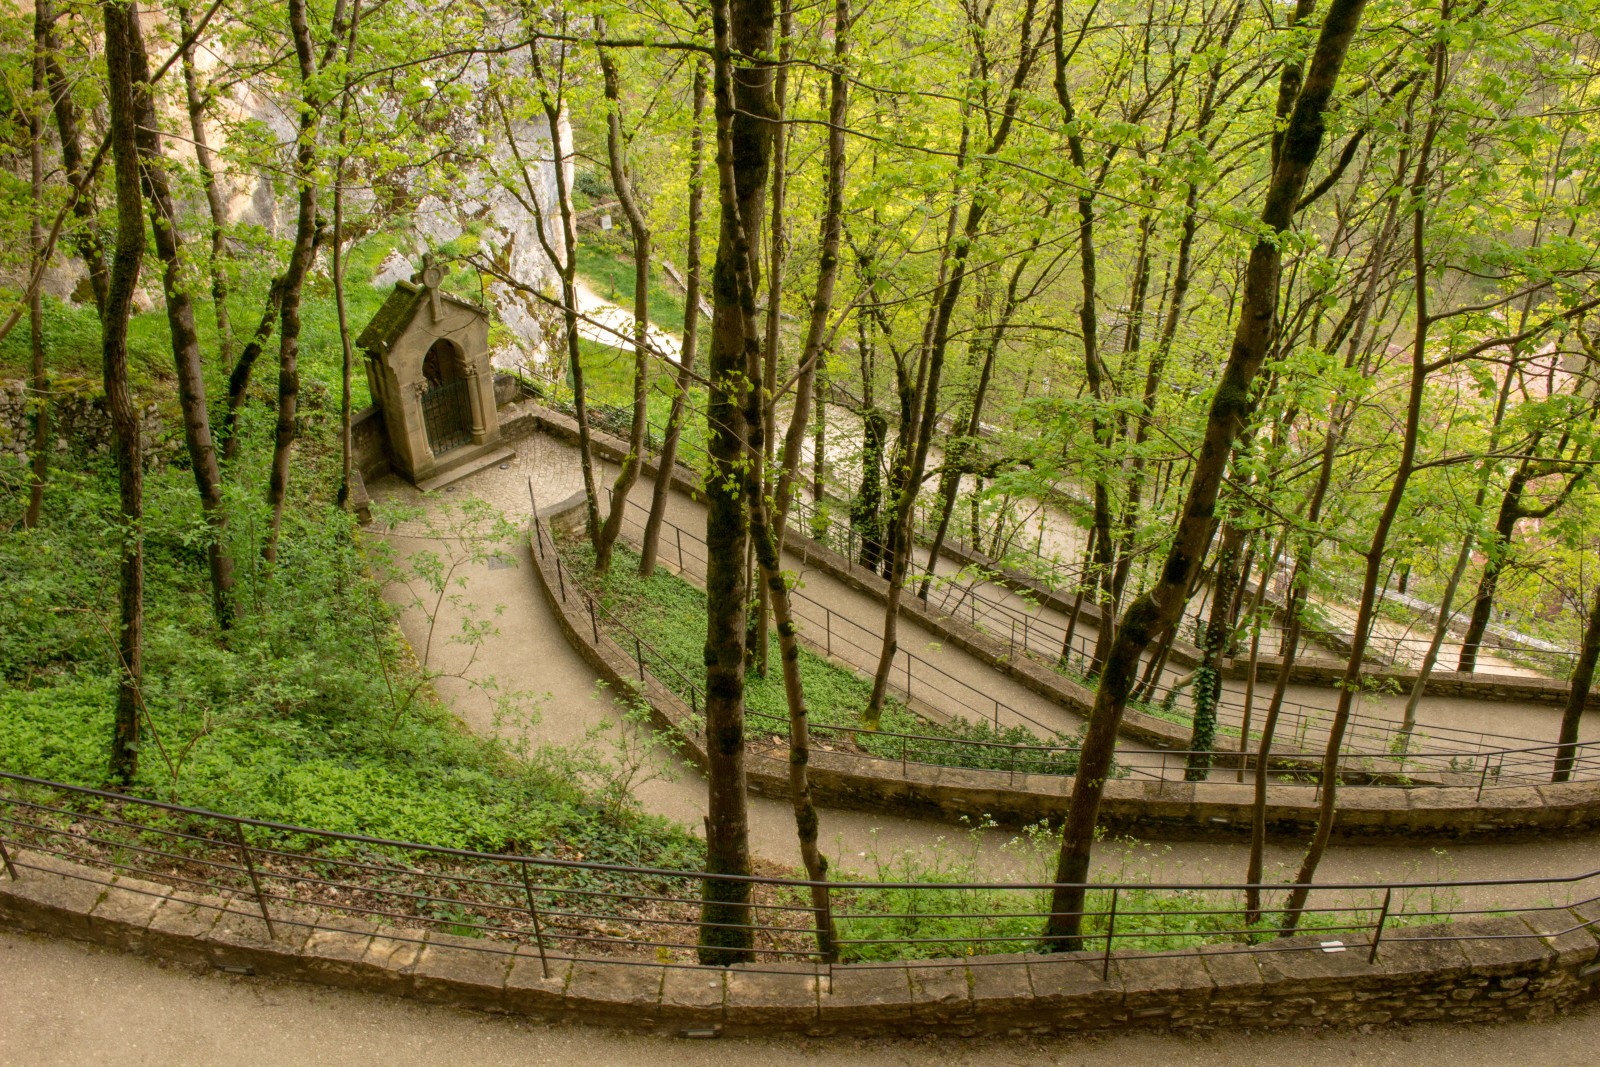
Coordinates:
(312, 710)
(669, 615)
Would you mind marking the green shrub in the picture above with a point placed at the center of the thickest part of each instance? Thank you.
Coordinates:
(293, 717)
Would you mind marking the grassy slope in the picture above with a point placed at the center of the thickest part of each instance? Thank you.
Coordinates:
(670, 614)
(293, 719)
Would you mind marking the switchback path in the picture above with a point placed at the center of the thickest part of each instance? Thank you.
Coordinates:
(530, 652)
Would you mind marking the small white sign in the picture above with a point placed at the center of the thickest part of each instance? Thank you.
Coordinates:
(1333, 946)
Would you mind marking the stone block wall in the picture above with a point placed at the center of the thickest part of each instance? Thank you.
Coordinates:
(79, 420)
(1530, 966)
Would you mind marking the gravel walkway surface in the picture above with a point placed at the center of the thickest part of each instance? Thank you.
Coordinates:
(64, 1004)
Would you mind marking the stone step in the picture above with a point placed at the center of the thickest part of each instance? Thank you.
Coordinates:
(467, 465)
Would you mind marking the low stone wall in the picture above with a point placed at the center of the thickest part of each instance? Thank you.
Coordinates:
(79, 420)
(1531, 966)
(369, 446)
(1143, 807)
(1474, 686)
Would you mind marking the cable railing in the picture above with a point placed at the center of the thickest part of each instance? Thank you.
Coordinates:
(1044, 639)
(544, 911)
(1291, 763)
(1394, 650)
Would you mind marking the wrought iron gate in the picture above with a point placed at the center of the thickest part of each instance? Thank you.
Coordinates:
(447, 413)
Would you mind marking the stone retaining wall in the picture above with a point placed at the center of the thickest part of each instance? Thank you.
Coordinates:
(1143, 807)
(1531, 966)
(78, 420)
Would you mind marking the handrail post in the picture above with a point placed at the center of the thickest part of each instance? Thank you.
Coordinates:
(1383, 915)
(561, 580)
(255, 882)
(5, 857)
(1483, 777)
(1111, 933)
(538, 930)
(638, 654)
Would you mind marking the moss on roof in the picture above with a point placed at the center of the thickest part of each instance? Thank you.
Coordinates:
(392, 319)
(397, 312)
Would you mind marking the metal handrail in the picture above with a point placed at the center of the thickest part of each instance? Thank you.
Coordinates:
(1305, 766)
(482, 893)
(291, 829)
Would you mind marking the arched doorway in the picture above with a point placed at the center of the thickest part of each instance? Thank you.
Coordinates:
(446, 407)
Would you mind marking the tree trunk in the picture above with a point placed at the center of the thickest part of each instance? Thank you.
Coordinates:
(1208, 674)
(639, 231)
(185, 340)
(1578, 696)
(743, 110)
(957, 457)
(1483, 601)
(806, 389)
(819, 435)
(39, 401)
(661, 490)
(239, 376)
(1251, 671)
(90, 248)
(566, 263)
(294, 278)
(1255, 866)
(1154, 612)
(1077, 600)
(347, 352)
(777, 220)
(866, 510)
(1447, 601)
(121, 23)
(931, 369)
(1367, 607)
(764, 540)
(196, 102)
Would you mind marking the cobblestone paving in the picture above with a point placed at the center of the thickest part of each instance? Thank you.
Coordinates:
(548, 466)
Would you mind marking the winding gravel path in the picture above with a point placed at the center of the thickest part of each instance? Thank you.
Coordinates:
(531, 653)
(65, 1003)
